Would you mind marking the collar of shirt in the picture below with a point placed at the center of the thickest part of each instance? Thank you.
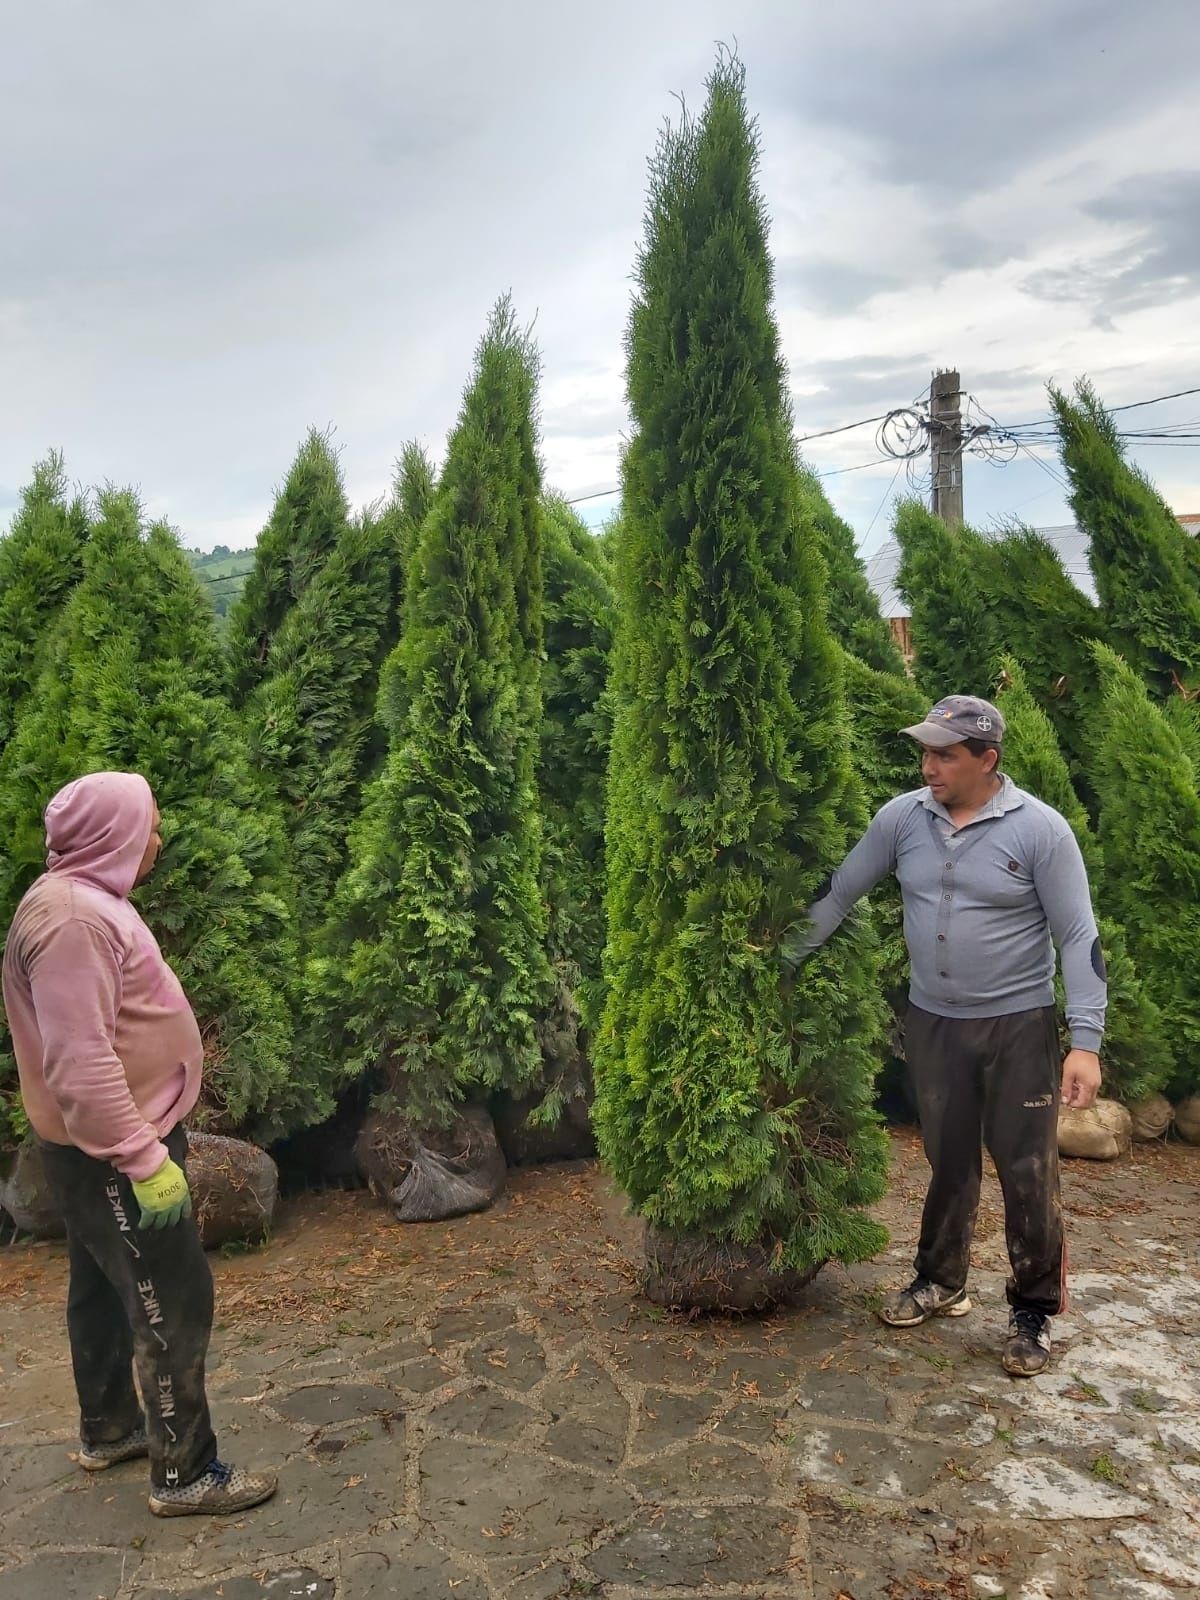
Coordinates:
(1006, 798)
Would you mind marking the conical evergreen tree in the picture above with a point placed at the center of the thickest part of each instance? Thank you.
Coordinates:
(309, 517)
(955, 634)
(853, 609)
(312, 722)
(1136, 1054)
(734, 1111)
(41, 560)
(1145, 565)
(576, 734)
(1150, 834)
(433, 968)
(1049, 626)
(133, 681)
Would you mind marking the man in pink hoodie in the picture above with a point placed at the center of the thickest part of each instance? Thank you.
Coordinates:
(109, 1056)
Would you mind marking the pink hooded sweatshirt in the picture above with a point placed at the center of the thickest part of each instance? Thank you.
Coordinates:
(107, 1047)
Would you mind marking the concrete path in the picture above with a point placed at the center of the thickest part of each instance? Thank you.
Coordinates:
(485, 1411)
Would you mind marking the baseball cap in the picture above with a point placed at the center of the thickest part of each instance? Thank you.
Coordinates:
(959, 717)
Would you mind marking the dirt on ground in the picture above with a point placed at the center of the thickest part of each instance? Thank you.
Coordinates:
(488, 1410)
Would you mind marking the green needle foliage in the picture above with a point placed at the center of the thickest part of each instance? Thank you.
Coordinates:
(132, 681)
(853, 609)
(1137, 1058)
(955, 632)
(41, 560)
(1150, 834)
(730, 1105)
(1146, 567)
(312, 722)
(1049, 626)
(309, 517)
(433, 969)
(576, 734)
(412, 498)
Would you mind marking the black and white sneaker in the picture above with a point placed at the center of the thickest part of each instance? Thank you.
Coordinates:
(907, 1308)
(97, 1457)
(1027, 1348)
(217, 1492)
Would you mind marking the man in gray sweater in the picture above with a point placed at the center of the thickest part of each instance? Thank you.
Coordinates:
(992, 879)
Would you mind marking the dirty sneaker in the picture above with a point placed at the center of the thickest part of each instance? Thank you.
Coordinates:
(906, 1308)
(1027, 1348)
(96, 1457)
(217, 1492)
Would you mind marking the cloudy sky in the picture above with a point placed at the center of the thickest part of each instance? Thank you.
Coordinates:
(222, 223)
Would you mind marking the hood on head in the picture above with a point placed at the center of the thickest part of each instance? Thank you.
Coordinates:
(98, 828)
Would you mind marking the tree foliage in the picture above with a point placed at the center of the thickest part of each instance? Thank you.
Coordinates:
(309, 517)
(133, 680)
(728, 1105)
(433, 968)
(312, 722)
(1150, 834)
(956, 635)
(41, 560)
(1136, 1052)
(853, 609)
(1146, 567)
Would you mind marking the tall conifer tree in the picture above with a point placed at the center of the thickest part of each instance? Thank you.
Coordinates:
(433, 968)
(309, 516)
(1146, 567)
(1137, 1057)
(854, 613)
(1150, 834)
(133, 680)
(733, 1109)
(41, 560)
(956, 637)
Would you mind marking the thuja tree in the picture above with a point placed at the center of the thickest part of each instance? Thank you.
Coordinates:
(433, 968)
(308, 518)
(1150, 834)
(1048, 625)
(955, 634)
(853, 609)
(733, 1109)
(575, 738)
(133, 680)
(41, 559)
(312, 723)
(412, 498)
(1137, 1057)
(1144, 563)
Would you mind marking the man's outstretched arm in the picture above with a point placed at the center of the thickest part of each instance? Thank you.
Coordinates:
(872, 858)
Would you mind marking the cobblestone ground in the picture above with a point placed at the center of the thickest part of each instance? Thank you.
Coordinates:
(485, 1411)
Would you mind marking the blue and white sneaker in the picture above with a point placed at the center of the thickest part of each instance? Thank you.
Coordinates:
(96, 1457)
(217, 1492)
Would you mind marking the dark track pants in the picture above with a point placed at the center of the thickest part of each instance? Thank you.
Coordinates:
(136, 1296)
(993, 1080)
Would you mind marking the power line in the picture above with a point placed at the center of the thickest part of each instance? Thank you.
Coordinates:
(846, 427)
(1134, 405)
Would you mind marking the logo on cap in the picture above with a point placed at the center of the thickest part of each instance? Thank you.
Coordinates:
(984, 724)
(939, 713)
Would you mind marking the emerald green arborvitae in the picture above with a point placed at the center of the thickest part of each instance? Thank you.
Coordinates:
(309, 517)
(1150, 834)
(1136, 1053)
(888, 764)
(853, 609)
(433, 968)
(576, 735)
(312, 723)
(955, 634)
(1049, 626)
(41, 559)
(132, 681)
(731, 1107)
(1145, 565)
(412, 498)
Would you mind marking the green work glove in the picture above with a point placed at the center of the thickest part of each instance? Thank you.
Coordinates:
(164, 1198)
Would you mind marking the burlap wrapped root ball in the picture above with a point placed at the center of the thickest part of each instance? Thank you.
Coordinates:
(1103, 1132)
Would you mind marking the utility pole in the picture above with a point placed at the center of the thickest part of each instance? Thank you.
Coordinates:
(945, 446)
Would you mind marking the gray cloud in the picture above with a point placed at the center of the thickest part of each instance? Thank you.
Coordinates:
(216, 230)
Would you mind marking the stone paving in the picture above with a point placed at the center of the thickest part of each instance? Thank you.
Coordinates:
(486, 1411)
